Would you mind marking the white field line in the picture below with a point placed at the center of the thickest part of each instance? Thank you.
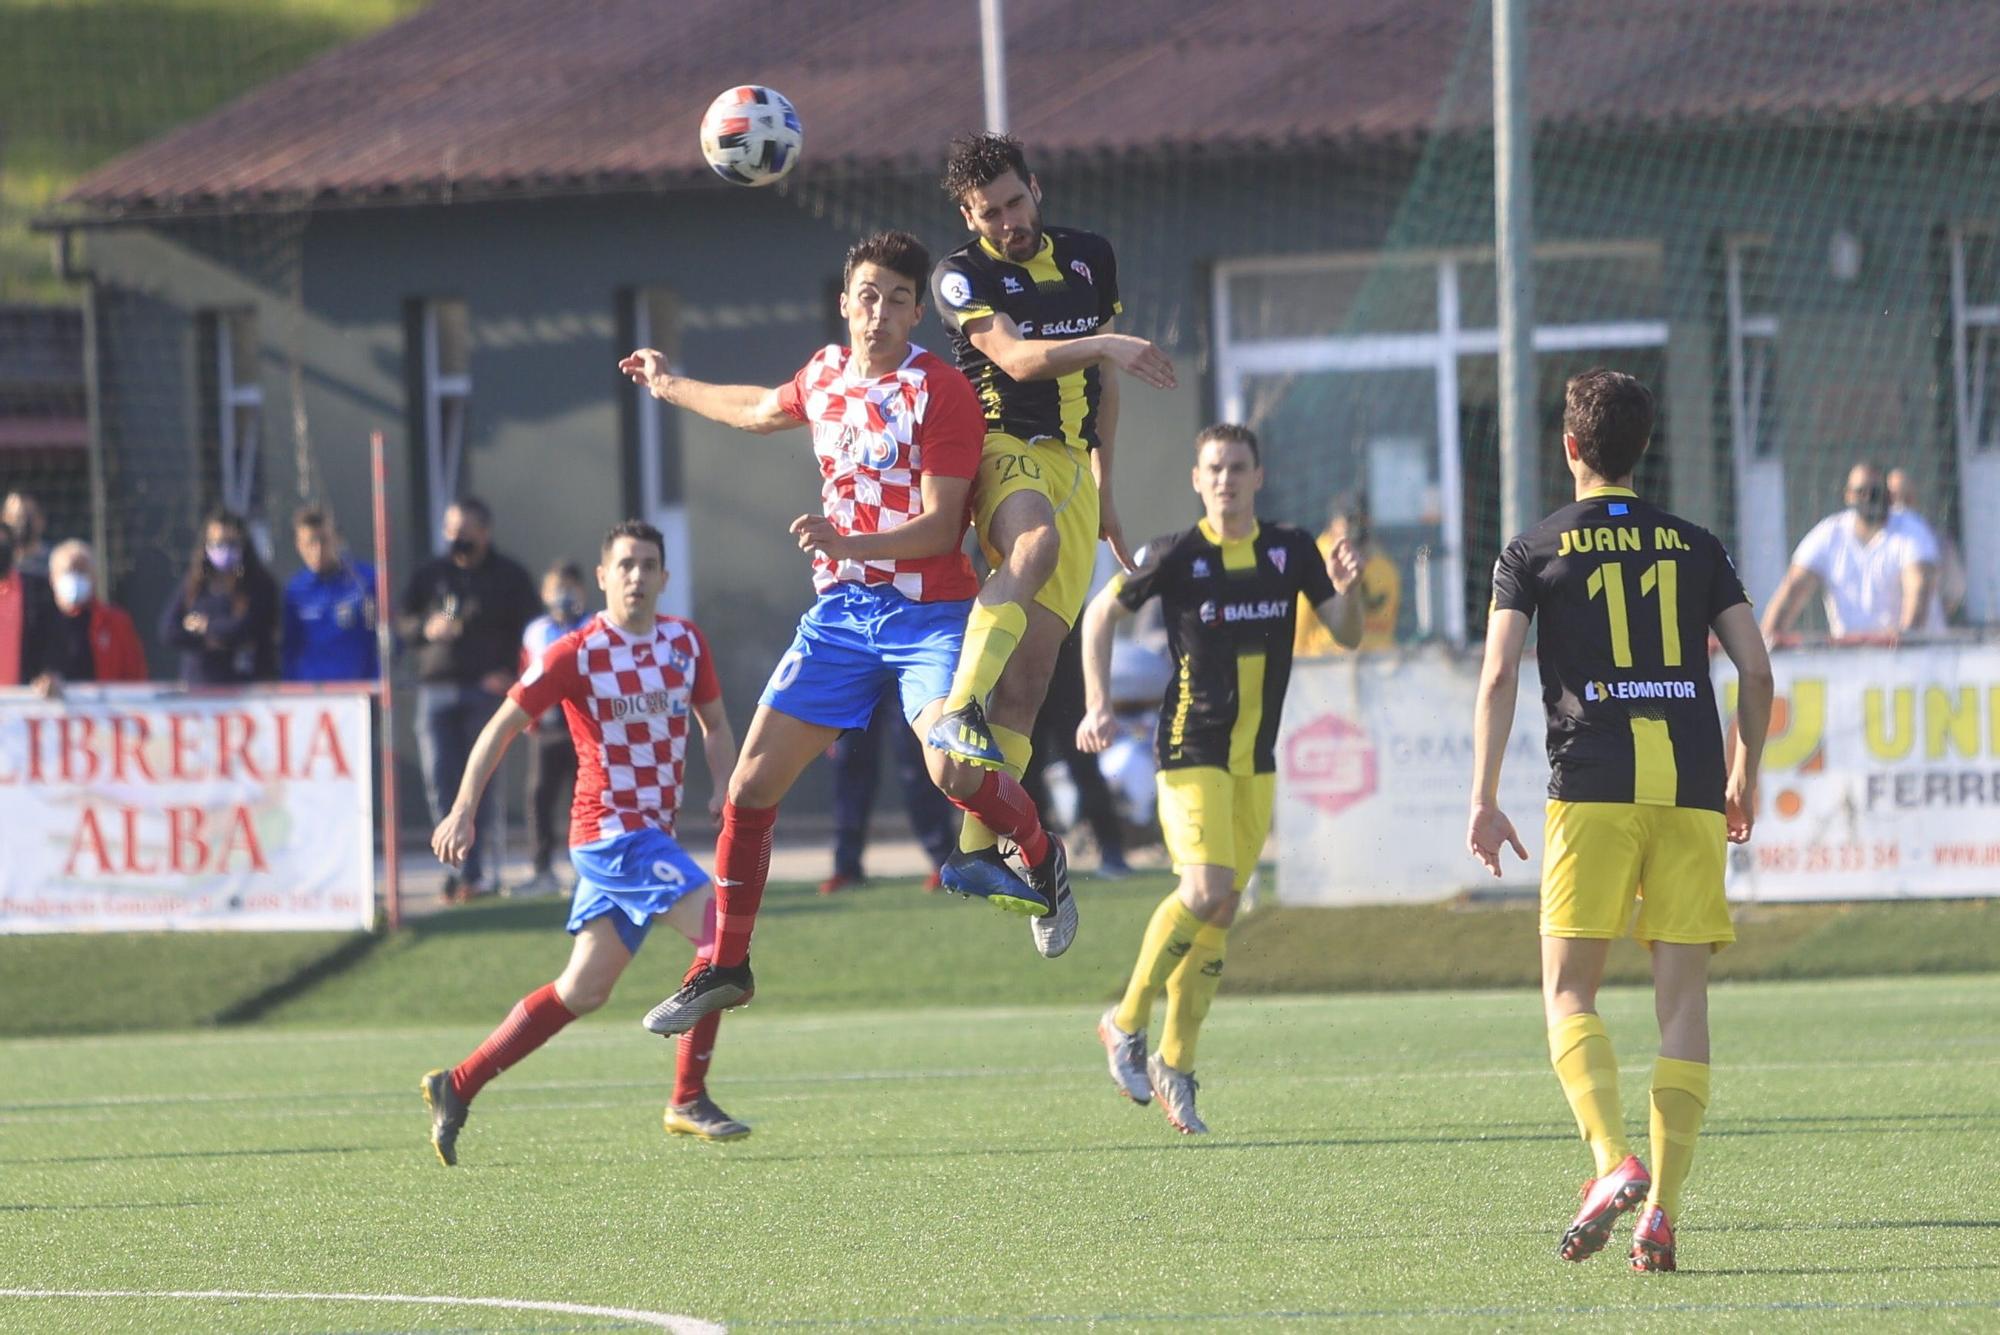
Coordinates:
(680, 1325)
(325, 1103)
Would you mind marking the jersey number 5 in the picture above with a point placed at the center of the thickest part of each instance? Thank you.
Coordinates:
(1661, 578)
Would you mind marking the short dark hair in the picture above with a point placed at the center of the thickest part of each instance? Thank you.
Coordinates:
(1611, 416)
(1230, 433)
(474, 509)
(898, 252)
(311, 516)
(637, 529)
(568, 570)
(981, 159)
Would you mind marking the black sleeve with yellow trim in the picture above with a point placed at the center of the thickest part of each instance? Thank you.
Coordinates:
(1135, 588)
(1107, 289)
(962, 292)
(1513, 583)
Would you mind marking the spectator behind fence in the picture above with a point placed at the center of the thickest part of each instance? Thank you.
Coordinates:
(857, 771)
(1381, 585)
(28, 618)
(95, 640)
(551, 751)
(465, 612)
(224, 619)
(1951, 562)
(1876, 569)
(329, 607)
(22, 513)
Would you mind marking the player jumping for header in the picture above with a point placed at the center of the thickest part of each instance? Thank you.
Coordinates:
(1030, 310)
(897, 433)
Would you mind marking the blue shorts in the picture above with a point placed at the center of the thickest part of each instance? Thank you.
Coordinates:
(852, 641)
(632, 879)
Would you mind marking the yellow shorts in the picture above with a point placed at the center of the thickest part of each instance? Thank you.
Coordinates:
(1217, 819)
(1600, 856)
(1062, 473)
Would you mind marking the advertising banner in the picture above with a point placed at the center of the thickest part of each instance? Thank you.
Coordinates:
(150, 809)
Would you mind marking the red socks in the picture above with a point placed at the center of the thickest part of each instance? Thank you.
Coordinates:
(535, 1019)
(695, 1047)
(1008, 811)
(742, 861)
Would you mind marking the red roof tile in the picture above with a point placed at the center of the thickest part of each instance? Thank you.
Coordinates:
(480, 96)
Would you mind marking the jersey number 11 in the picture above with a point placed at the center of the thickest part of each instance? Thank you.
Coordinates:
(1661, 578)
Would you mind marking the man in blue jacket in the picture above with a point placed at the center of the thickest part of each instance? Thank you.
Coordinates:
(329, 628)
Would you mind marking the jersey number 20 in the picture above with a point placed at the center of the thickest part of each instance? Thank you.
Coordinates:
(1661, 578)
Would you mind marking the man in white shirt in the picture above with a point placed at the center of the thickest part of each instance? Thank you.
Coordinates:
(1951, 564)
(1877, 570)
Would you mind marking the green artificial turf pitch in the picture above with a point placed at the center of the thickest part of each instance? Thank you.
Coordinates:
(1390, 1161)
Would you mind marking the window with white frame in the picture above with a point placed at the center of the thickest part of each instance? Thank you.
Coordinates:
(446, 352)
(655, 317)
(1975, 308)
(237, 413)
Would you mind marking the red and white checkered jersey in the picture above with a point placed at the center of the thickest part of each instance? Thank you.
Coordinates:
(875, 439)
(628, 700)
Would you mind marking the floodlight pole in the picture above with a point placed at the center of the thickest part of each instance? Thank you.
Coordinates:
(993, 62)
(1514, 250)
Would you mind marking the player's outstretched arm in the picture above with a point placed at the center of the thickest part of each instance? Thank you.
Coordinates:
(1099, 727)
(718, 748)
(939, 529)
(998, 337)
(745, 407)
(452, 839)
(1737, 630)
(1488, 829)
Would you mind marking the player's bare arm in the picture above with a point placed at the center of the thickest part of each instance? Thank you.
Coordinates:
(745, 407)
(999, 338)
(1342, 613)
(718, 748)
(1099, 727)
(1798, 585)
(1736, 630)
(933, 533)
(452, 839)
(1488, 829)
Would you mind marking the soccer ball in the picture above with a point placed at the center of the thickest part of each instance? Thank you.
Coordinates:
(751, 136)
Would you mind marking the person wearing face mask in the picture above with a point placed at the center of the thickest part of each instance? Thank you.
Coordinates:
(28, 624)
(1877, 570)
(22, 513)
(95, 640)
(329, 607)
(464, 611)
(1381, 585)
(552, 752)
(224, 620)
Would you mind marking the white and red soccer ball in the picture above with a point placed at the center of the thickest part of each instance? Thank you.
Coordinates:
(751, 135)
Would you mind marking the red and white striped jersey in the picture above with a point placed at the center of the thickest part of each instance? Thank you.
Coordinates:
(875, 439)
(628, 700)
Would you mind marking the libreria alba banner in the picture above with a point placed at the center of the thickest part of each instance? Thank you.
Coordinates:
(130, 809)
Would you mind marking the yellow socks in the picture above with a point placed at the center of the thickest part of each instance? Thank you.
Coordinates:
(1190, 989)
(1680, 1099)
(1170, 937)
(991, 633)
(1581, 1053)
(1017, 747)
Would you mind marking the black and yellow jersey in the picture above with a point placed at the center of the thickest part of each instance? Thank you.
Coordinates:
(1626, 593)
(1231, 610)
(1069, 289)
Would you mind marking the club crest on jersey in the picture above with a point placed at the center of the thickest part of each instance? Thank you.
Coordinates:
(1082, 270)
(1277, 555)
